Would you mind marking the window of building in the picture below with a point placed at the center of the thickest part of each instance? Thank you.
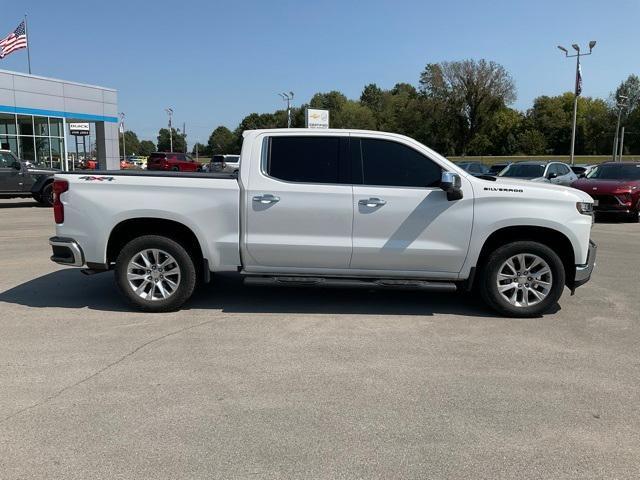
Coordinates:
(25, 125)
(26, 148)
(305, 159)
(56, 127)
(7, 124)
(384, 162)
(41, 126)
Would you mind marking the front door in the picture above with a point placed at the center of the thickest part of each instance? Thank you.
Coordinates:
(12, 179)
(403, 221)
(299, 210)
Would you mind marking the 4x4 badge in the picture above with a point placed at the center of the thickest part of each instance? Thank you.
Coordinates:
(92, 178)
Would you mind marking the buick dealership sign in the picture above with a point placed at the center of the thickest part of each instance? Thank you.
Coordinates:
(80, 129)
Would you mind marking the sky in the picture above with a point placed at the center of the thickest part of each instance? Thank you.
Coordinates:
(214, 62)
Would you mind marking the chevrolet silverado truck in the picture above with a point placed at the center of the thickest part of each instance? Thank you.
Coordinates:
(343, 208)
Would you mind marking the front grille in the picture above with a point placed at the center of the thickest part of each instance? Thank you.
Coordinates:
(606, 200)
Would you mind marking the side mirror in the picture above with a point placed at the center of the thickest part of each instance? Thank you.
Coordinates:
(452, 184)
(17, 165)
(552, 175)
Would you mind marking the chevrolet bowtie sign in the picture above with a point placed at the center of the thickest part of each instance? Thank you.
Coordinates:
(317, 118)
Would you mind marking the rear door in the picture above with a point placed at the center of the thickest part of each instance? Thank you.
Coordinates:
(403, 221)
(299, 209)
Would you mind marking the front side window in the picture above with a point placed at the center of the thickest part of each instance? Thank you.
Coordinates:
(305, 159)
(6, 160)
(389, 163)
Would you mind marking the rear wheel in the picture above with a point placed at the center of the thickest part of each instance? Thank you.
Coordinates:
(175, 169)
(522, 279)
(155, 273)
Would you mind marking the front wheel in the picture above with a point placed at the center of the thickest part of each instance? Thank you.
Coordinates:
(155, 273)
(522, 279)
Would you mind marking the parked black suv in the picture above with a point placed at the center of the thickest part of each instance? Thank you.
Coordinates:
(17, 180)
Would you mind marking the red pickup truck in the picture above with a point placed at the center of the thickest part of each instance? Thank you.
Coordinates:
(615, 188)
(178, 162)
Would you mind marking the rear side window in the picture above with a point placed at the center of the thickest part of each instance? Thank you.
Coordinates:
(305, 159)
(389, 163)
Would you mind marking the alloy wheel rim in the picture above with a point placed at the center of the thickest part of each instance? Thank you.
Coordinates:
(153, 274)
(524, 280)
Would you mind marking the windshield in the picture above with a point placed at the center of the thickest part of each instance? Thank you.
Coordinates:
(523, 171)
(616, 172)
(495, 169)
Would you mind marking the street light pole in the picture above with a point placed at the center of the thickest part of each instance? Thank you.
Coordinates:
(170, 113)
(124, 146)
(287, 97)
(620, 103)
(577, 90)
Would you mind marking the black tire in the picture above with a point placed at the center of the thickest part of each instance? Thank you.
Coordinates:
(46, 195)
(489, 275)
(183, 260)
(175, 169)
(633, 217)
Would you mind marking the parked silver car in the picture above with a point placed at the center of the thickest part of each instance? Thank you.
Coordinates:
(541, 171)
(224, 163)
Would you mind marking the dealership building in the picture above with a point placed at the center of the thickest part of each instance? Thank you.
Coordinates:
(35, 113)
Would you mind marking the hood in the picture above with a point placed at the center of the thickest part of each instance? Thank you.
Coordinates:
(559, 191)
(37, 170)
(597, 186)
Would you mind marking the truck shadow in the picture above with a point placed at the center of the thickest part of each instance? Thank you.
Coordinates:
(21, 204)
(68, 288)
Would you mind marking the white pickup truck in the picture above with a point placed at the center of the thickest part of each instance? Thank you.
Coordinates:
(328, 208)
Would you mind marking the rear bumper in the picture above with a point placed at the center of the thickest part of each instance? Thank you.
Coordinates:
(583, 272)
(66, 251)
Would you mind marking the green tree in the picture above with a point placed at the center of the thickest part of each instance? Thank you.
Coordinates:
(353, 115)
(200, 149)
(372, 98)
(473, 91)
(147, 147)
(131, 142)
(222, 141)
(164, 143)
(532, 142)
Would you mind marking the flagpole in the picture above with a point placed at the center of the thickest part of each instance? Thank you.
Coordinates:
(26, 32)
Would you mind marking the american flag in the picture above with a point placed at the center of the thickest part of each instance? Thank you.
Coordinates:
(14, 41)
(579, 80)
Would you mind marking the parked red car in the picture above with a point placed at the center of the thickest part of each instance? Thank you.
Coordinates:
(615, 188)
(178, 162)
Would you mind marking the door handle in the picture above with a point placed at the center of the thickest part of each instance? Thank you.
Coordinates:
(372, 202)
(266, 199)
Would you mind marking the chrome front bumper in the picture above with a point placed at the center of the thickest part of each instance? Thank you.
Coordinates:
(583, 272)
(66, 251)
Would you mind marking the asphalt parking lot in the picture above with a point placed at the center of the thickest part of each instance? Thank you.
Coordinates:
(252, 382)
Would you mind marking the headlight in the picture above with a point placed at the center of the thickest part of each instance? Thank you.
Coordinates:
(585, 208)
